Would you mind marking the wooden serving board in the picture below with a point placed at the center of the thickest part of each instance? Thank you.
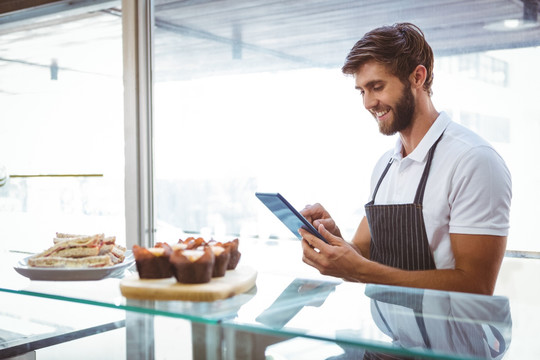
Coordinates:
(234, 282)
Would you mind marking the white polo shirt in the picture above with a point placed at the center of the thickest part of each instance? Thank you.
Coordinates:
(468, 190)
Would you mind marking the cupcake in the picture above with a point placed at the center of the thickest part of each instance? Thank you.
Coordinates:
(193, 266)
(179, 246)
(235, 254)
(222, 256)
(192, 243)
(153, 263)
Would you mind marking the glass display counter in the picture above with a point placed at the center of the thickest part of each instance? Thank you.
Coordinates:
(291, 313)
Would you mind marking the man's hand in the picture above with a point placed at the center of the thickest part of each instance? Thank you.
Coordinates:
(316, 214)
(337, 258)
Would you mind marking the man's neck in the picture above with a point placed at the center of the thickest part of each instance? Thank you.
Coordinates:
(422, 121)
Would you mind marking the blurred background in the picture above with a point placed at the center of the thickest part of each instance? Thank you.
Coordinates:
(247, 96)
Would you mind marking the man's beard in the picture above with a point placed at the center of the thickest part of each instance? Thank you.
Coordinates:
(403, 113)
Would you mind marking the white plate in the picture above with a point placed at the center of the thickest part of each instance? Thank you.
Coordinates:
(70, 274)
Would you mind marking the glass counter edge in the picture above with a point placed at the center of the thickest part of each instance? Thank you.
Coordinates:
(131, 308)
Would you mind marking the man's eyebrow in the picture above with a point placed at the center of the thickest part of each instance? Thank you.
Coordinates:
(370, 84)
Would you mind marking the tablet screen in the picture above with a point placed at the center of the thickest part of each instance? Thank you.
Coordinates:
(288, 215)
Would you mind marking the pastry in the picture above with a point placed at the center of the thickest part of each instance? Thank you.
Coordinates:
(235, 254)
(153, 263)
(192, 243)
(193, 266)
(222, 256)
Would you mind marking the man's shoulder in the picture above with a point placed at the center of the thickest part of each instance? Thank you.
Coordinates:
(459, 136)
(464, 152)
(462, 144)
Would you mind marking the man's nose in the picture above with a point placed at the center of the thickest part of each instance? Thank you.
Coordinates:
(370, 101)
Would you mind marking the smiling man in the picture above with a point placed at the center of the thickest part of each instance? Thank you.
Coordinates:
(438, 214)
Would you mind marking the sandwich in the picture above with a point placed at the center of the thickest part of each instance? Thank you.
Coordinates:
(108, 245)
(80, 251)
(66, 262)
(62, 236)
(116, 253)
(75, 247)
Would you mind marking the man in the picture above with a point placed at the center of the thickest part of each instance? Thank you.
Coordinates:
(440, 201)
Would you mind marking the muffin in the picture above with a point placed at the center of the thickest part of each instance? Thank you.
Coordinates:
(192, 243)
(222, 256)
(179, 246)
(193, 266)
(235, 254)
(153, 263)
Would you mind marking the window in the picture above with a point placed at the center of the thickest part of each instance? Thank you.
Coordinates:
(249, 97)
(483, 67)
(61, 101)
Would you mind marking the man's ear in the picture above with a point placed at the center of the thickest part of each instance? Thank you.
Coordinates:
(418, 77)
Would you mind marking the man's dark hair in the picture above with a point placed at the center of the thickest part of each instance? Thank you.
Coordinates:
(402, 47)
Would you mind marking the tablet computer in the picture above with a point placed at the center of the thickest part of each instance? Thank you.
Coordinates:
(288, 215)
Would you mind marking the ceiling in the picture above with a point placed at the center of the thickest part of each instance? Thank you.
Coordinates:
(196, 37)
(283, 34)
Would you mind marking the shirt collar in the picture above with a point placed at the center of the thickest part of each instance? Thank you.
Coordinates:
(420, 152)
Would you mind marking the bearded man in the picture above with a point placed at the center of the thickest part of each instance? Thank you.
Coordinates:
(438, 214)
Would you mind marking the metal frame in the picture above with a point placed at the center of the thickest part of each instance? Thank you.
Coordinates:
(137, 26)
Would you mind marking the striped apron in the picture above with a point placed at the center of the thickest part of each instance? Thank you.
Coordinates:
(398, 232)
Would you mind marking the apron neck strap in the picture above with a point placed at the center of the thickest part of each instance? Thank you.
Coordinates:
(419, 197)
(382, 177)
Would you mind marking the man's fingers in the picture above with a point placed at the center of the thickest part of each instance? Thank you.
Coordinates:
(314, 241)
(330, 238)
(309, 254)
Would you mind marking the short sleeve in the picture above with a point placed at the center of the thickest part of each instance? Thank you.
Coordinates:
(480, 194)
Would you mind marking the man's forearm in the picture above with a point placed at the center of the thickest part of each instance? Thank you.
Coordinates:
(444, 279)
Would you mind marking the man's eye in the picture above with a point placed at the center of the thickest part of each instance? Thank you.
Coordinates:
(377, 88)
